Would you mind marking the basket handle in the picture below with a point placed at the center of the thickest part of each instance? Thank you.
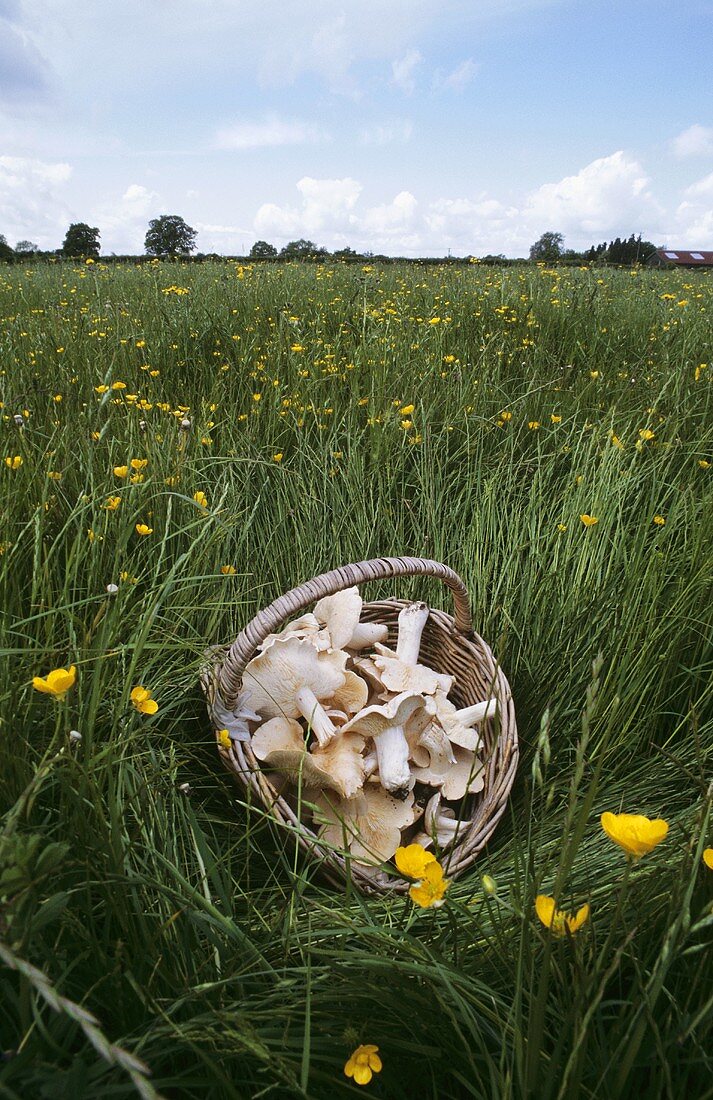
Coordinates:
(297, 599)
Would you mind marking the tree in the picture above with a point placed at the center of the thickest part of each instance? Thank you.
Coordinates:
(548, 248)
(81, 240)
(261, 250)
(303, 250)
(26, 247)
(6, 253)
(169, 236)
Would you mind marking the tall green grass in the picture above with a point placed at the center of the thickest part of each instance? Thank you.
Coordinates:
(150, 928)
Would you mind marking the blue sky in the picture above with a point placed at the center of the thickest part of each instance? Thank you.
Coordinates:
(400, 126)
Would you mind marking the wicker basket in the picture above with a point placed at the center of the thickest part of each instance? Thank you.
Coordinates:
(448, 645)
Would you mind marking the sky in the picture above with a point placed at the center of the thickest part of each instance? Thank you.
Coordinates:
(405, 127)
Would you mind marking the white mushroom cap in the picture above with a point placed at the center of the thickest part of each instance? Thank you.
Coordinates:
(369, 825)
(307, 626)
(466, 776)
(340, 766)
(340, 615)
(352, 696)
(289, 679)
(400, 677)
(459, 724)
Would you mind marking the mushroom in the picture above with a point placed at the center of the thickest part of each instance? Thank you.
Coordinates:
(369, 825)
(400, 671)
(431, 749)
(340, 615)
(367, 634)
(458, 724)
(440, 824)
(340, 766)
(385, 724)
(307, 626)
(290, 678)
(352, 696)
(466, 776)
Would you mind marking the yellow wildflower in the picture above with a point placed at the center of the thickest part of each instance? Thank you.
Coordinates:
(101, 389)
(142, 529)
(121, 471)
(659, 521)
(636, 834)
(141, 698)
(413, 860)
(278, 456)
(14, 462)
(118, 385)
(703, 463)
(139, 463)
(228, 570)
(406, 410)
(555, 419)
(533, 425)
(588, 521)
(708, 857)
(57, 682)
(559, 922)
(646, 434)
(363, 1063)
(430, 890)
(201, 499)
(224, 739)
(112, 503)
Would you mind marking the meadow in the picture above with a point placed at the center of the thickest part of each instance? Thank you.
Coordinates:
(181, 444)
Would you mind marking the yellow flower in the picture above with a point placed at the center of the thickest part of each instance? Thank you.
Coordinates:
(141, 698)
(406, 410)
(363, 1063)
(616, 442)
(559, 922)
(201, 499)
(100, 389)
(533, 425)
(57, 682)
(121, 471)
(278, 457)
(296, 347)
(112, 503)
(635, 833)
(588, 521)
(139, 463)
(594, 374)
(562, 527)
(228, 570)
(702, 462)
(555, 419)
(54, 475)
(430, 890)
(142, 529)
(708, 857)
(646, 434)
(505, 415)
(659, 521)
(413, 860)
(118, 385)
(224, 739)
(13, 462)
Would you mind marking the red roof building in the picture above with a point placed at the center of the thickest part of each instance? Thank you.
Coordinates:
(683, 257)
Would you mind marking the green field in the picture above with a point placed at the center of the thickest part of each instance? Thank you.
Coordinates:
(191, 928)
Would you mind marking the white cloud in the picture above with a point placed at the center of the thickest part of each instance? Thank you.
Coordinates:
(696, 141)
(403, 70)
(610, 195)
(326, 208)
(459, 78)
(124, 223)
(392, 219)
(33, 200)
(272, 131)
(693, 225)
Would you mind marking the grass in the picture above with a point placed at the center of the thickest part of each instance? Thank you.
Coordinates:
(144, 928)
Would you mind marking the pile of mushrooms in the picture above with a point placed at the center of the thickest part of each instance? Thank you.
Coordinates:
(382, 755)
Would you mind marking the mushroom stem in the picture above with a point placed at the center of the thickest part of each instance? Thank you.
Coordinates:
(366, 634)
(392, 752)
(315, 715)
(412, 620)
(479, 712)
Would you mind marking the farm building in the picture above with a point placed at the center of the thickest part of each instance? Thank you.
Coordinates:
(681, 257)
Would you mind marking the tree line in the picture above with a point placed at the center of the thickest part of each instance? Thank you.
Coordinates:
(169, 237)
